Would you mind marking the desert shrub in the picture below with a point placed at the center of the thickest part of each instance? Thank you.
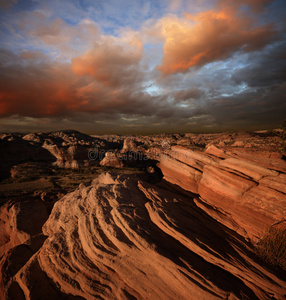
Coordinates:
(272, 247)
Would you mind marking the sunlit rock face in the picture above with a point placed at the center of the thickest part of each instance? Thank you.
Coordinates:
(111, 160)
(20, 221)
(128, 145)
(122, 238)
(188, 236)
(68, 157)
(242, 191)
(20, 237)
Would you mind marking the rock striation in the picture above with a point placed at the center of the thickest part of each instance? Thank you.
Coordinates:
(20, 237)
(245, 192)
(122, 238)
(191, 235)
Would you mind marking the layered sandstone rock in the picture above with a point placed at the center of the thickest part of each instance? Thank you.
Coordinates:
(121, 238)
(20, 221)
(189, 236)
(248, 189)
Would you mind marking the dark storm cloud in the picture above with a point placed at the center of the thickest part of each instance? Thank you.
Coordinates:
(259, 108)
(264, 69)
(255, 5)
(5, 4)
(53, 89)
(188, 94)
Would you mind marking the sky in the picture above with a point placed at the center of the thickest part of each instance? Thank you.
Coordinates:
(142, 67)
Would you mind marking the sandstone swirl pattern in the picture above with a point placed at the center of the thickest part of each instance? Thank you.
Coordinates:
(122, 238)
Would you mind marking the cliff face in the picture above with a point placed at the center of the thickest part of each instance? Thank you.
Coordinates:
(121, 238)
(242, 191)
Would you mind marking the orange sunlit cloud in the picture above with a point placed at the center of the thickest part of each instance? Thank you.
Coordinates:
(39, 91)
(110, 63)
(101, 80)
(207, 37)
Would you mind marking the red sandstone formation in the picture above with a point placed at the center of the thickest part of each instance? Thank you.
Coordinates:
(121, 238)
(248, 192)
(189, 236)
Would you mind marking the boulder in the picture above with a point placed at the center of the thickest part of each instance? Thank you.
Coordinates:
(238, 144)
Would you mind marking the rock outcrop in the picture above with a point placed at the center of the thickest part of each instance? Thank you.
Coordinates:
(20, 221)
(70, 148)
(246, 193)
(121, 238)
(128, 145)
(193, 235)
(71, 157)
(111, 160)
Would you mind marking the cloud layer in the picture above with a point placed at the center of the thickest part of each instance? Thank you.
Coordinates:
(173, 69)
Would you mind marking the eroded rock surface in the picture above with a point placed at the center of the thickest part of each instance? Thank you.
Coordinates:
(68, 156)
(122, 238)
(188, 236)
(111, 160)
(248, 191)
(20, 221)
